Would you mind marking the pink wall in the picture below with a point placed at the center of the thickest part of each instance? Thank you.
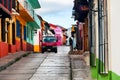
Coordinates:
(58, 34)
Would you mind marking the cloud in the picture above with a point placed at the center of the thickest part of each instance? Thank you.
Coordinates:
(58, 12)
(60, 18)
(51, 6)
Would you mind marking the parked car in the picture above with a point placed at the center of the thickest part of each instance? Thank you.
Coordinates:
(49, 43)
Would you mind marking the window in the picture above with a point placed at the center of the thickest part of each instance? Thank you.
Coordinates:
(27, 32)
(24, 33)
(3, 32)
(13, 33)
(103, 36)
(31, 36)
(9, 5)
(49, 39)
(18, 28)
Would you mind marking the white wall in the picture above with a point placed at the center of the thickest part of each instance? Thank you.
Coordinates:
(36, 38)
(115, 35)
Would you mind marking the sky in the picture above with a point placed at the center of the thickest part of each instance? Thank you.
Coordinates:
(58, 12)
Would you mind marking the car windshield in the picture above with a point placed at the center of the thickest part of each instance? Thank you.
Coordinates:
(49, 39)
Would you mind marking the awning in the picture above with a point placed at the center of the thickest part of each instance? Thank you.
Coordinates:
(35, 4)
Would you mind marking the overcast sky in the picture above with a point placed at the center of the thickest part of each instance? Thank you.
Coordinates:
(58, 12)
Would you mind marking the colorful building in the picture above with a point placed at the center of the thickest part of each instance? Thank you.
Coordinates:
(58, 33)
(102, 28)
(37, 40)
(38, 34)
(5, 15)
(32, 25)
(17, 25)
(64, 34)
(104, 40)
(26, 22)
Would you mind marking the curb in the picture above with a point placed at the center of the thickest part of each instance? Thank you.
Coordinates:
(10, 62)
(79, 70)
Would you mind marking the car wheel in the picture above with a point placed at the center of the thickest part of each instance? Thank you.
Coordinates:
(55, 50)
(42, 50)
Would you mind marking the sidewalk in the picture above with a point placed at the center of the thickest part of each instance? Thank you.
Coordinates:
(11, 58)
(80, 68)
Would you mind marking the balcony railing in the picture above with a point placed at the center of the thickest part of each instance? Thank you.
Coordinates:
(1, 1)
(29, 8)
(7, 4)
(13, 4)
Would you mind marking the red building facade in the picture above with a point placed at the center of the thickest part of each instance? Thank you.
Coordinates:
(5, 15)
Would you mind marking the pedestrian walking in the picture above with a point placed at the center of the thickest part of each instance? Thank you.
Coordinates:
(71, 43)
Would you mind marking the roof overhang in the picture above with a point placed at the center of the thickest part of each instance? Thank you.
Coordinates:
(25, 15)
(35, 4)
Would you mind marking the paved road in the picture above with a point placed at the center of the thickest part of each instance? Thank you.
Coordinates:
(47, 66)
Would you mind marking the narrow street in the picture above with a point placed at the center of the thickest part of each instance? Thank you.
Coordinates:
(37, 66)
(81, 33)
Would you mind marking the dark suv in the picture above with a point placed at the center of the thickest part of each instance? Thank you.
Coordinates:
(49, 43)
